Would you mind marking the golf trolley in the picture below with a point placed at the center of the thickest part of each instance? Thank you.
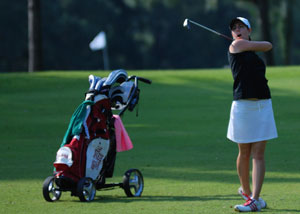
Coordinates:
(88, 152)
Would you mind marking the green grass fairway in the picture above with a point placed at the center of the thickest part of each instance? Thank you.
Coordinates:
(179, 141)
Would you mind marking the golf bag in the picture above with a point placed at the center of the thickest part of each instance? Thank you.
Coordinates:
(88, 151)
(86, 142)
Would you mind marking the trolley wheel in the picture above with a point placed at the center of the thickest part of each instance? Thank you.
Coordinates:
(51, 191)
(133, 183)
(86, 189)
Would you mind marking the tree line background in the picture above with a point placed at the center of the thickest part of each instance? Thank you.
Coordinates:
(141, 34)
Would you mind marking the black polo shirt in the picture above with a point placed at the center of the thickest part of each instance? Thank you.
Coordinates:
(248, 71)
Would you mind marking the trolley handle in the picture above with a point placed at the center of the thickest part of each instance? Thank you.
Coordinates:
(140, 78)
(144, 80)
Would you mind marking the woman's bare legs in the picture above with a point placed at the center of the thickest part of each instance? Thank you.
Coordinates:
(242, 165)
(258, 168)
(257, 151)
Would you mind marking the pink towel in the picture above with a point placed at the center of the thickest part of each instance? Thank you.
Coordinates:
(122, 139)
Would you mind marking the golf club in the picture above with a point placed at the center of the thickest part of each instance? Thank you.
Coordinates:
(187, 22)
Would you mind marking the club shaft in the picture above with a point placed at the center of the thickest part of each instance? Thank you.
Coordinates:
(211, 30)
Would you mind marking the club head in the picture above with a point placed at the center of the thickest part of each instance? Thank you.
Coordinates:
(186, 24)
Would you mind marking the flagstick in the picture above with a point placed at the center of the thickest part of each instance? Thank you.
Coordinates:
(105, 58)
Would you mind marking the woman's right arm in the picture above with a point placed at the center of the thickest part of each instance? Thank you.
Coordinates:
(241, 45)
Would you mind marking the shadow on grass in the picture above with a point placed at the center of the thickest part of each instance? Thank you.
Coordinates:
(281, 210)
(230, 197)
(162, 198)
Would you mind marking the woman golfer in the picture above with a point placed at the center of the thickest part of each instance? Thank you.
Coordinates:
(251, 117)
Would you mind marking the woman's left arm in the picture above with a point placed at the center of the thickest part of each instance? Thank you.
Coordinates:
(241, 45)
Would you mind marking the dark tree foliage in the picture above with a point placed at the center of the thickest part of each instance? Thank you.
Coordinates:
(264, 8)
(286, 30)
(141, 34)
(13, 36)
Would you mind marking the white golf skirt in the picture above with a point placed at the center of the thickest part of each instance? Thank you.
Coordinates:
(251, 121)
